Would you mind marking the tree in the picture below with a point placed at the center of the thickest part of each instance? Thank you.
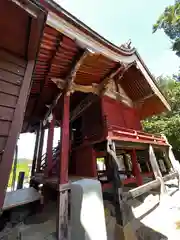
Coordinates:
(169, 21)
(167, 123)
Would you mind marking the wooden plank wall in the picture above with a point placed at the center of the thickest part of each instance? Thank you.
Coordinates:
(93, 124)
(119, 114)
(12, 70)
(84, 156)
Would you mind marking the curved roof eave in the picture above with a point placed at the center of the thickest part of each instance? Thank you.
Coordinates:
(150, 79)
(63, 14)
(63, 21)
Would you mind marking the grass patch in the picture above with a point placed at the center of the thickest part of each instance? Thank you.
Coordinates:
(21, 167)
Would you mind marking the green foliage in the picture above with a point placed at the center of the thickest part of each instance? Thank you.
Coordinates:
(169, 21)
(167, 123)
(100, 159)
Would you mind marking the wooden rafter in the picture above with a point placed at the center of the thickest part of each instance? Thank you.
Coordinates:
(105, 81)
(59, 38)
(124, 69)
(86, 89)
(140, 101)
(76, 87)
(77, 66)
(86, 102)
(68, 80)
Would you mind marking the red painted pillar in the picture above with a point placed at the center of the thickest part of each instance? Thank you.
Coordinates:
(64, 157)
(62, 223)
(50, 146)
(136, 170)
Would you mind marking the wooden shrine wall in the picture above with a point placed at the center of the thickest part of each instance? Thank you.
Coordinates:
(84, 161)
(119, 114)
(12, 70)
(92, 122)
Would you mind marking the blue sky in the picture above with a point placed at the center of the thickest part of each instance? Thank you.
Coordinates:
(119, 21)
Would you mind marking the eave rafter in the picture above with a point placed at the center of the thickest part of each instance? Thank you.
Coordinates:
(141, 101)
(103, 84)
(67, 83)
(45, 82)
(125, 68)
(94, 87)
(100, 89)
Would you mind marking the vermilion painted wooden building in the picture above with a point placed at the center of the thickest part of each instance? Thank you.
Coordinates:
(57, 72)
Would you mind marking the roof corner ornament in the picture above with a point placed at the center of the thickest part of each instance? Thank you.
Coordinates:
(127, 45)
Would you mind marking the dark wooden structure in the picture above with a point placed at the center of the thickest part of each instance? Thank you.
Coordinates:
(21, 27)
(74, 79)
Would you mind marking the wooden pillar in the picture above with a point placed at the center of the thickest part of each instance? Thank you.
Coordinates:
(125, 160)
(50, 146)
(35, 151)
(169, 160)
(156, 169)
(154, 164)
(62, 223)
(40, 147)
(136, 170)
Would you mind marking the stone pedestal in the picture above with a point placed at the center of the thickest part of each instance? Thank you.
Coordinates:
(87, 211)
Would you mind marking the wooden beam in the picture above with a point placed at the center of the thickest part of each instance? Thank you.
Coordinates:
(35, 151)
(76, 68)
(149, 186)
(68, 81)
(35, 35)
(111, 75)
(84, 88)
(116, 181)
(156, 169)
(28, 6)
(40, 148)
(60, 83)
(16, 125)
(76, 87)
(62, 223)
(83, 105)
(124, 70)
(86, 102)
(154, 164)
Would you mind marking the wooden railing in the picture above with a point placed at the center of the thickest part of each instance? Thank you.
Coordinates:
(126, 134)
(55, 152)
